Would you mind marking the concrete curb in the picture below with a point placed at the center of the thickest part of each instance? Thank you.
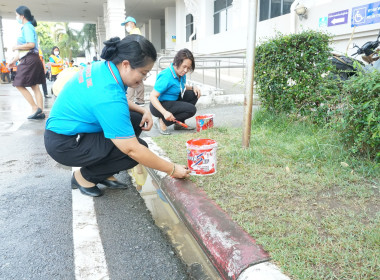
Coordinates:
(234, 253)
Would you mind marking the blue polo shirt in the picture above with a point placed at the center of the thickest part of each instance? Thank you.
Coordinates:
(169, 85)
(93, 100)
(28, 35)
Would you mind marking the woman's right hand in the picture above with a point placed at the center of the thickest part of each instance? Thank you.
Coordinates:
(181, 172)
(169, 116)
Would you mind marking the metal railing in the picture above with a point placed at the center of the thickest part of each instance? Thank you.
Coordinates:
(208, 62)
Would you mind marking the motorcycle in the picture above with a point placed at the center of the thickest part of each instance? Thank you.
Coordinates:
(347, 67)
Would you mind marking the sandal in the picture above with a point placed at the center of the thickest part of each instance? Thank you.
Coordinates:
(163, 132)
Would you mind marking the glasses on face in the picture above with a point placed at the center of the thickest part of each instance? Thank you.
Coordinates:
(144, 76)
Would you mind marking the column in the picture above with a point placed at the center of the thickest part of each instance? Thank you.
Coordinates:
(2, 54)
(114, 15)
(170, 28)
(205, 24)
(155, 33)
(100, 34)
(180, 24)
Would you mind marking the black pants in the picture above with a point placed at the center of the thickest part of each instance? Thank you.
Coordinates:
(97, 156)
(44, 88)
(182, 109)
(5, 75)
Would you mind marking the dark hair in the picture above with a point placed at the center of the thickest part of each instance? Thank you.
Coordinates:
(55, 47)
(138, 50)
(24, 11)
(94, 58)
(181, 56)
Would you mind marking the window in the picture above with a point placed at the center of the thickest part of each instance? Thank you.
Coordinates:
(190, 27)
(274, 8)
(221, 8)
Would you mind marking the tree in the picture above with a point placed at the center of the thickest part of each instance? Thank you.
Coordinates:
(67, 40)
(45, 40)
(87, 37)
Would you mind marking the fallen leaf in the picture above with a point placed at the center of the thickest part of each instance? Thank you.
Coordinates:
(287, 169)
(343, 164)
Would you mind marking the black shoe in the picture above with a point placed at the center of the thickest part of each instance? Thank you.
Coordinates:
(114, 184)
(36, 113)
(47, 96)
(140, 103)
(93, 191)
(180, 127)
(40, 116)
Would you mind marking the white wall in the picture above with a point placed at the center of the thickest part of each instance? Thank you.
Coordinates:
(235, 39)
(170, 27)
(155, 33)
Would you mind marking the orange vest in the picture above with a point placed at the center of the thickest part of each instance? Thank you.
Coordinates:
(4, 68)
(55, 70)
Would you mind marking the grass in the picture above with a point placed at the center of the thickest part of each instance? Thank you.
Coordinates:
(297, 191)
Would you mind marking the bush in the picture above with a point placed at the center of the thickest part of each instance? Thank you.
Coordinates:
(290, 74)
(361, 118)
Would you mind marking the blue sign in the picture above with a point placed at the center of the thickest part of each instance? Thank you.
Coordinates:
(338, 18)
(323, 22)
(366, 14)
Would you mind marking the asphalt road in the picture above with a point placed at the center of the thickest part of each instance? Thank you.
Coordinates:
(36, 236)
(36, 207)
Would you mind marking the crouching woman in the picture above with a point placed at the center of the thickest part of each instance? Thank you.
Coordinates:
(92, 125)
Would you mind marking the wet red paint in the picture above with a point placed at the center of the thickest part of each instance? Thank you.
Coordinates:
(227, 245)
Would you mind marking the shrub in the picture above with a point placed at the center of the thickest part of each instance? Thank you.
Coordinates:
(361, 118)
(290, 74)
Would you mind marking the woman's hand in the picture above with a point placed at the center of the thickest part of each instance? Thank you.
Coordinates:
(197, 92)
(148, 120)
(180, 171)
(169, 116)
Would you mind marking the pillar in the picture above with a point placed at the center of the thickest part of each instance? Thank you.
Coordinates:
(2, 53)
(114, 15)
(170, 28)
(155, 33)
(100, 34)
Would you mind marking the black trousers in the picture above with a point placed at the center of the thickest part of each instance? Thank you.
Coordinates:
(182, 109)
(97, 156)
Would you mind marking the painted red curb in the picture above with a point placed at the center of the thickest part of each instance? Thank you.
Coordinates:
(227, 245)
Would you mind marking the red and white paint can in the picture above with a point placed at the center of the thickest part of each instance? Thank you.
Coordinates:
(204, 122)
(201, 156)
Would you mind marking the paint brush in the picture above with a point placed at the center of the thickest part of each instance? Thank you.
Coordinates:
(182, 124)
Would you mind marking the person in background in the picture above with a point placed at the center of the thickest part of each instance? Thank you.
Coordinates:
(14, 71)
(171, 99)
(92, 125)
(71, 64)
(134, 94)
(44, 86)
(56, 63)
(5, 72)
(30, 71)
(94, 59)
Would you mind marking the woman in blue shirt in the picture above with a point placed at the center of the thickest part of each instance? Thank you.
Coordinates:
(30, 71)
(92, 125)
(171, 99)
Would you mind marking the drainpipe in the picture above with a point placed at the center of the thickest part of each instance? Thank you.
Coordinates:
(191, 37)
(293, 17)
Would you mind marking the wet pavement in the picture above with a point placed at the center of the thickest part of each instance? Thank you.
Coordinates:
(141, 235)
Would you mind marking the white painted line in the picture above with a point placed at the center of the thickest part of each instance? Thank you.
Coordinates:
(89, 259)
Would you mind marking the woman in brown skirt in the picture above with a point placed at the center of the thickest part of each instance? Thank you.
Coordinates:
(30, 72)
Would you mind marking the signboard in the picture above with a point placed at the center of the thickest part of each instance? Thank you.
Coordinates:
(174, 39)
(323, 22)
(338, 18)
(366, 14)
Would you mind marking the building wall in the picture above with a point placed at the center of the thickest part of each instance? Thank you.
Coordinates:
(235, 39)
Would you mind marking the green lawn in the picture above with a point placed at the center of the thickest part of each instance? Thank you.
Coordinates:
(296, 190)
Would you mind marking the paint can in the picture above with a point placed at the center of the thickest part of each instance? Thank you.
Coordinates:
(204, 122)
(201, 156)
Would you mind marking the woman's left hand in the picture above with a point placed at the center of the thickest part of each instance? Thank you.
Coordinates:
(146, 121)
(197, 92)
